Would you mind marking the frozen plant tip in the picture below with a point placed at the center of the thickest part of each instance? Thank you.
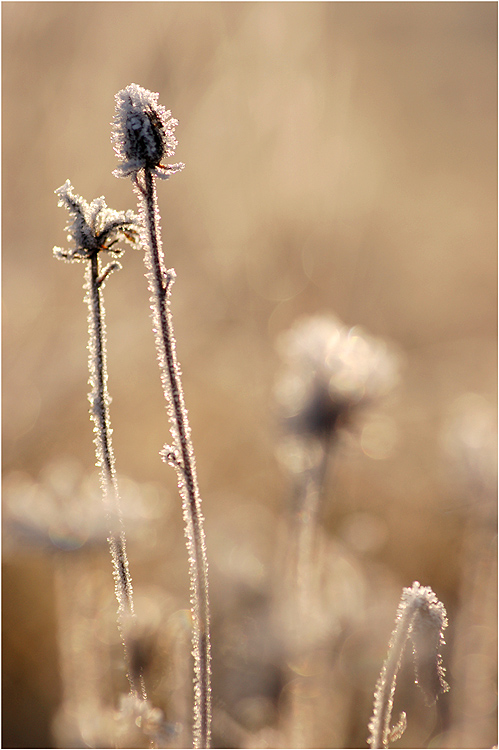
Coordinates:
(142, 137)
(143, 133)
(94, 228)
(422, 618)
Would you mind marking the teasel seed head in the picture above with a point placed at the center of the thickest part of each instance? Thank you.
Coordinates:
(143, 133)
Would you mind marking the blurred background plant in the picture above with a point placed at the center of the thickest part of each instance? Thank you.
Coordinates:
(330, 375)
(340, 160)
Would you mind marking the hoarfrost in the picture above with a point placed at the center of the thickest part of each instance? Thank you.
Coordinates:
(422, 618)
(143, 133)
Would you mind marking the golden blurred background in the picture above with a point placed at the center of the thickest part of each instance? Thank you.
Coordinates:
(341, 158)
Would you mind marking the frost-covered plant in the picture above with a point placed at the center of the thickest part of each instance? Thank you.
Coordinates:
(331, 373)
(422, 618)
(143, 135)
(94, 228)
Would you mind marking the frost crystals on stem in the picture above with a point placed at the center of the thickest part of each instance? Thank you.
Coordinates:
(142, 137)
(422, 618)
(92, 228)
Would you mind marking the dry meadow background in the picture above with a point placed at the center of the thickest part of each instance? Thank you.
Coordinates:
(340, 158)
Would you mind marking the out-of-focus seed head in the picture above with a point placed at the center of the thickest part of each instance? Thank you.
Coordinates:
(330, 372)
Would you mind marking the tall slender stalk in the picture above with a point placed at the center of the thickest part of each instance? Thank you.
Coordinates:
(181, 456)
(305, 523)
(95, 228)
(99, 399)
(143, 135)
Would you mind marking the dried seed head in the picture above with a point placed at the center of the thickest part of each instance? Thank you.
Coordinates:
(94, 227)
(143, 133)
(331, 370)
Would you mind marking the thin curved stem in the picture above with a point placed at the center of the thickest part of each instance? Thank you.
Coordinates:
(422, 618)
(380, 729)
(99, 399)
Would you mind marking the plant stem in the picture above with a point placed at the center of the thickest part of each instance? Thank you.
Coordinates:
(99, 399)
(305, 520)
(385, 690)
(421, 617)
(303, 587)
(181, 456)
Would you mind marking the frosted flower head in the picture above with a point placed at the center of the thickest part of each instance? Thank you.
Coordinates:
(330, 371)
(94, 227)
(143, 133)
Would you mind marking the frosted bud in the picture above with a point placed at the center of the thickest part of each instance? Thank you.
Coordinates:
(143, 133)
